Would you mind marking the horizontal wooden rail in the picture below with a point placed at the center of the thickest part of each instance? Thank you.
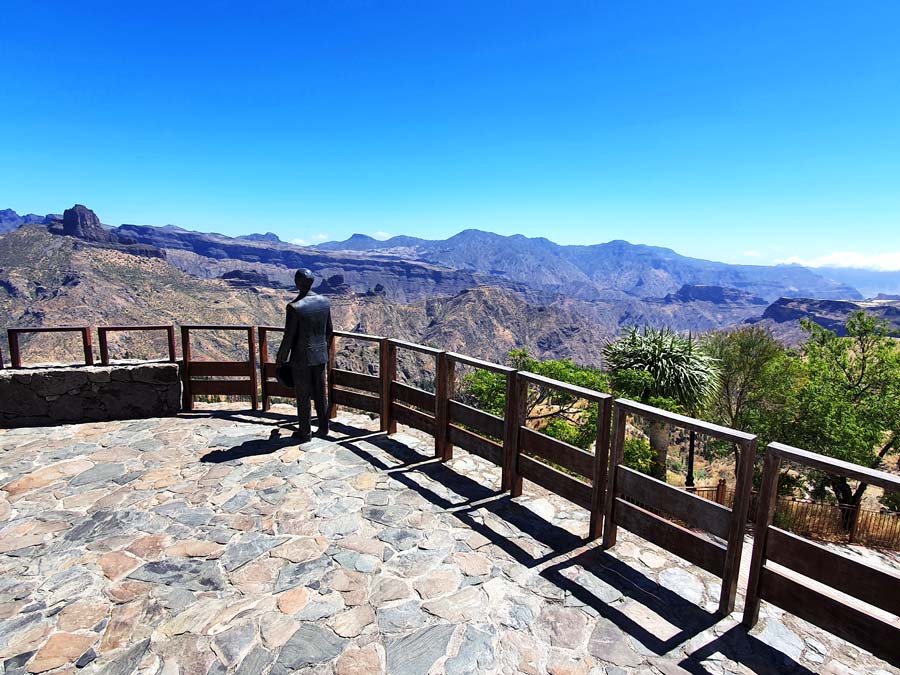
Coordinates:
(823, 609)
(478, 420)
(477, 445)
(836, 466)
(357, 336)
(15, 355)
(413, 347)
(573, 389)
(413, 418)
(557, 452)
(412, 395)
(684, 422)
(220, 368)
(347, 378)
(706, 554)
(554, 480)
(191, 326)
(103, 331)
(674, 502)
(841, 573)
(478, 363)
(356, 400)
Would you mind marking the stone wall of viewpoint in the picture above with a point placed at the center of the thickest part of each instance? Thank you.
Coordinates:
(53, 395)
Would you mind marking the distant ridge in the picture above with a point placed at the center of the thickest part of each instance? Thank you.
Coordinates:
(589, 271)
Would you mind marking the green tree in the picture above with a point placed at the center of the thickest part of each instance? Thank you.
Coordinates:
(757, 385)
(662, 368)
(848, 398)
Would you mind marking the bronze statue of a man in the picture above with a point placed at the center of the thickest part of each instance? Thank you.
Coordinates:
(307, 332)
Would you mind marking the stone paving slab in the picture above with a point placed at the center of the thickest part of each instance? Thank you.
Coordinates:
(212, 544)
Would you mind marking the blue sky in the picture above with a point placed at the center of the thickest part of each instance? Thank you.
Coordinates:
(746, 132)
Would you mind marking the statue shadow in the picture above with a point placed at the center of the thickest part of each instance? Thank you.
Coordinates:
(257, 446)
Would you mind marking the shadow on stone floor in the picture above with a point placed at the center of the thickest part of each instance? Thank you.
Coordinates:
(475, 497)
(685, 618)
(258, 446)
(681, 619)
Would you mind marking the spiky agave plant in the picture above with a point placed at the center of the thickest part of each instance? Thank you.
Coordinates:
(661, 367)
(677, 366)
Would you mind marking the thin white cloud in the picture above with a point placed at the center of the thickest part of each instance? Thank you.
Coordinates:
(322, 236)
(752, 253)
(882, 262)
(382, 235)
(300, 242)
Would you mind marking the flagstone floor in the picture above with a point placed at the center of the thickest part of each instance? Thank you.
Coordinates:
(211, 543)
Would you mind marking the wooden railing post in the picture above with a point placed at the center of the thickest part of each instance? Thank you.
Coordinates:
(601, 465)
(187, 398)
(251, 359)
(263, 359)
(743, 487)
(104, 346)
(616, 456)
(441, 408)
(520, 400)
(329, 377)
(170, 335)
(388, 370)
(768, 497)
(15, 356)
(88, 346)
(510, 433)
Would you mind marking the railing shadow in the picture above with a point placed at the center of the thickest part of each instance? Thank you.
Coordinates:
(738, 645)
(475, 497)
(687, 618)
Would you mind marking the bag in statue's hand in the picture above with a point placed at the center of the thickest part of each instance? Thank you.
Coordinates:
(285, 375)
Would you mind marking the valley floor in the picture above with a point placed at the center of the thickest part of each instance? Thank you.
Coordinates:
(210, 543)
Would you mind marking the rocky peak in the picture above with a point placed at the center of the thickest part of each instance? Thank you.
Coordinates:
(81, 222)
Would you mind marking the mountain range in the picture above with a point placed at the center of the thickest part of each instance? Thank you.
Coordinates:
(476, 292)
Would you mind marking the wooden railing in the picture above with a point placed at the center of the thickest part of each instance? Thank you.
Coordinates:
(834, 571)
(640, 503)
(103, 331)
(15, 355)
(703, 532)
(242, 373)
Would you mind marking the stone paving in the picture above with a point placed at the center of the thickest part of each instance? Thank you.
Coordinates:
(211, 543)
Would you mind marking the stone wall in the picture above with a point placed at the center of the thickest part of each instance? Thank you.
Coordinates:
(39, 396)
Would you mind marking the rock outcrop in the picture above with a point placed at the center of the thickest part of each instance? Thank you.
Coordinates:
(81, 222)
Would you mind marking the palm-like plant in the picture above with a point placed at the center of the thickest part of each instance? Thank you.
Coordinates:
(662, 368)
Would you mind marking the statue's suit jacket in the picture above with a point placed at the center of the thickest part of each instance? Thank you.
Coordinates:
(307, 329)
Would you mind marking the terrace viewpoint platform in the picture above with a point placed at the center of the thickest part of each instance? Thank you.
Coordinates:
(211, 543)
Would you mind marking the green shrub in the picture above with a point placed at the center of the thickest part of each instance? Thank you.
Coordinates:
(639, 455)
